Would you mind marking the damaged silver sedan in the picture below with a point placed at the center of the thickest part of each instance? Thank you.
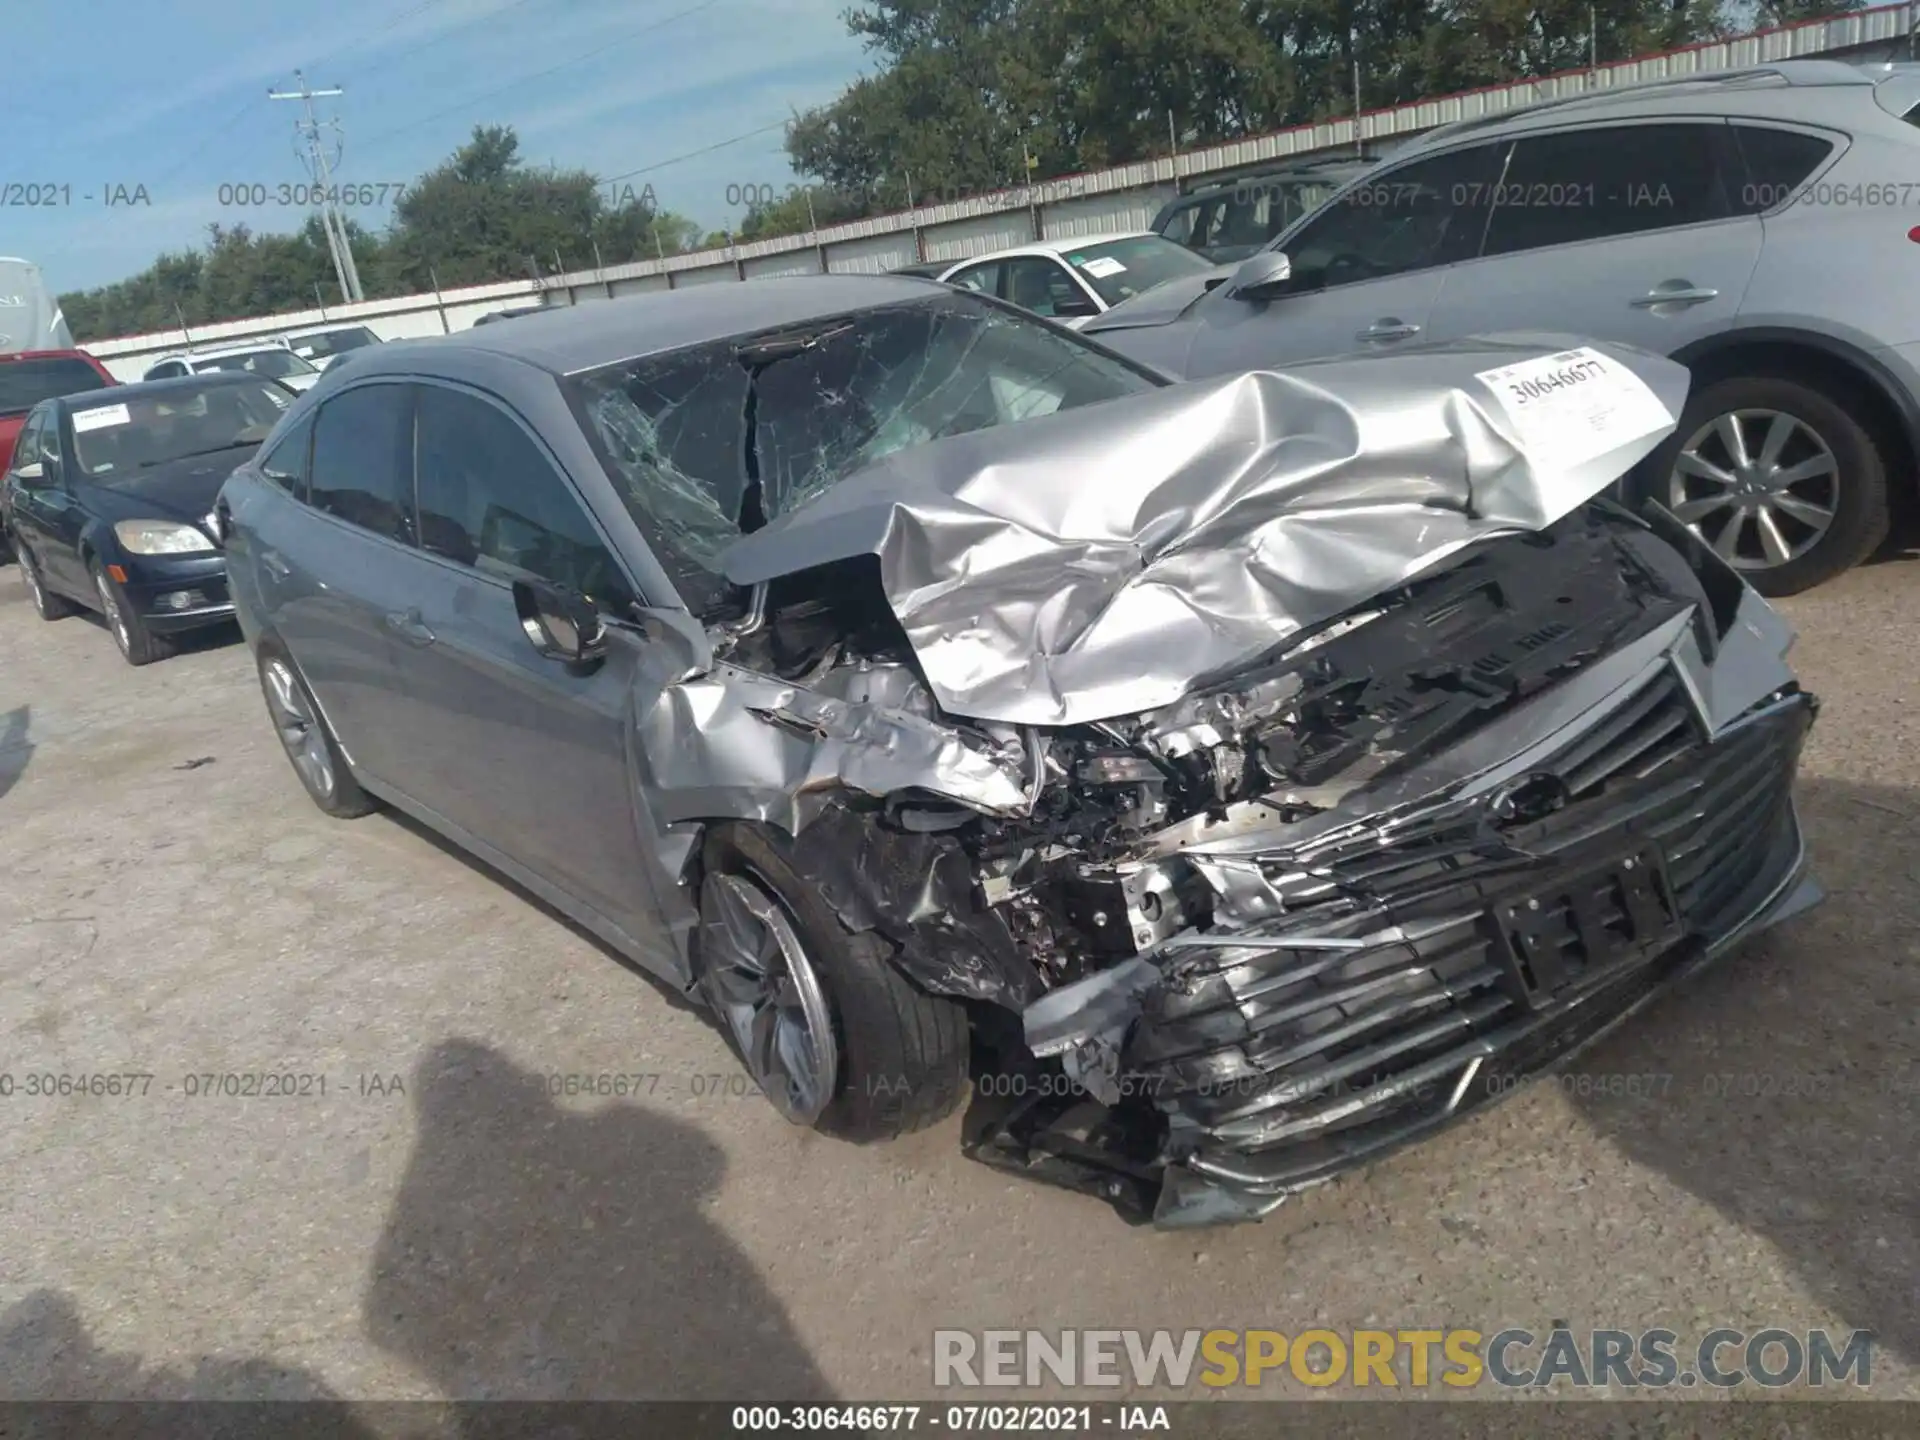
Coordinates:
(1235, 779)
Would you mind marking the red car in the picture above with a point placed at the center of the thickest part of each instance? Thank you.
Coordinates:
(29, 376)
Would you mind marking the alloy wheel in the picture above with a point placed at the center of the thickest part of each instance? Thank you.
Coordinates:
(116, 617)
(32, 578)
(1760, 486)
(299, 727)
(760, 980)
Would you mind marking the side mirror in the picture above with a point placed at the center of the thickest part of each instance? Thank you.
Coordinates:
(561, 623)
(1074, 307)
(31, 474)
(1264, 275)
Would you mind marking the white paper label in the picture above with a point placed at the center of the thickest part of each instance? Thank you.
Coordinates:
(100, 418)
(1102, 266)
(1576, 405)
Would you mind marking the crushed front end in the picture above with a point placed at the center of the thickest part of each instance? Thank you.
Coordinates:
(1308, 915)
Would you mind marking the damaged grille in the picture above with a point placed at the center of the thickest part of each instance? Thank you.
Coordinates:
(1283, 1052)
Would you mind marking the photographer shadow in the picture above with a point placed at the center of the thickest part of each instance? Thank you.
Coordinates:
(1795, 1065)
(535, 1252)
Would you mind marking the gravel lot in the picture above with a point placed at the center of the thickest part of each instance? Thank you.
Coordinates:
(439, 1225)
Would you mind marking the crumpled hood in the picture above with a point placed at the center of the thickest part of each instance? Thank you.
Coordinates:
(1102, 561)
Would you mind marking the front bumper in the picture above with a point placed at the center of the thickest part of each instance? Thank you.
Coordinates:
(176, 594)
(1416, 954)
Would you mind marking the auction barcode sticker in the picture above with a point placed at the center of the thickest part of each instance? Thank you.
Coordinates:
(1577, 404)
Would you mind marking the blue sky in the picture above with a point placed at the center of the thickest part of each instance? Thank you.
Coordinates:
(172, 96)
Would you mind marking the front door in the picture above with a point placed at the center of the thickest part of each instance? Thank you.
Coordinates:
(523, 754)
(1368, 269)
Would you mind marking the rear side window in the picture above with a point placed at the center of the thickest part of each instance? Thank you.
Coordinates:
(1611, 181)
(25, 383)
(1777, 162)
(285, 464)
(362, 466)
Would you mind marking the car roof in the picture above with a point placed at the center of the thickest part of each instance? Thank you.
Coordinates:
(311, 330)
(46, 354)
(567, 339)
(1785, 90)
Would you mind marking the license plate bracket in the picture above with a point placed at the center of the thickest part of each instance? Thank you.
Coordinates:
(1560, 937)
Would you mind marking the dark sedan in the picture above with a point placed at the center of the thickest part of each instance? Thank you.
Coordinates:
(111, 497)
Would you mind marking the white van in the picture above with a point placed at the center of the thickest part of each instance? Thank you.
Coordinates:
(30, 317)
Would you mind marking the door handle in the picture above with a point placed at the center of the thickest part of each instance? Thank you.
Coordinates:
(409, 626)
(1388, 329)
(274, 565)
(1681, 294)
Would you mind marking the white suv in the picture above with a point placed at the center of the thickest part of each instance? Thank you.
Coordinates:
(270, 359)
(1762, 227)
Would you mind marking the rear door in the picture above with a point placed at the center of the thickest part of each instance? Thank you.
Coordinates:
(334, 575)
(1368, 267)
(514, 748)
(1631, 233)
(58, 515)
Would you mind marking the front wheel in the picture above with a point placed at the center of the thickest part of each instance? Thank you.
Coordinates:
(833, 1033)
(1784, 482)
(138, 645)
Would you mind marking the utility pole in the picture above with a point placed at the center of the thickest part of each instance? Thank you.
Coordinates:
(308, 129)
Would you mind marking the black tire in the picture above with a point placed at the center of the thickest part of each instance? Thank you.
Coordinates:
(902, 1052)
(137, 644)
(342, 798)
(46, 604)
(1861, 512)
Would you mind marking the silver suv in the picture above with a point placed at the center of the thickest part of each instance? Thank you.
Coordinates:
(1761, 226)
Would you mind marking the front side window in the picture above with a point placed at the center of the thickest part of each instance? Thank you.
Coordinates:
(1426, 213)
(1121, 269)
(490, 498)
(25, 383)
(1607, 182)
(285, 465)
(362, 466)
(983, 278)
(114, 439)
(1041, 285)
(707, 443)
(1179, 226)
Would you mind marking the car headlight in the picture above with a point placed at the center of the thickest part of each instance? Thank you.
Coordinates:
(161, 537)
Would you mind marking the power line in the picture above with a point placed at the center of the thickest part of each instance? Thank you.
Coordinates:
(522, 80)
(391, 25)
(692, 154)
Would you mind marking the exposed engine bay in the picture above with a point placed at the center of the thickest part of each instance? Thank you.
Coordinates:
(1145, 836)
(1095, 874)
(1265, 801)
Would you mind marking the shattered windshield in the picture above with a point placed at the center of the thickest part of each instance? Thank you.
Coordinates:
(708, 443)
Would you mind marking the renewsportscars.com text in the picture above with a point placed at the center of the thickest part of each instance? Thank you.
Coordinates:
(1512, 1357)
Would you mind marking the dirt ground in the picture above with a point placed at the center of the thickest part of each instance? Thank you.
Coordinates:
(438, 1223)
